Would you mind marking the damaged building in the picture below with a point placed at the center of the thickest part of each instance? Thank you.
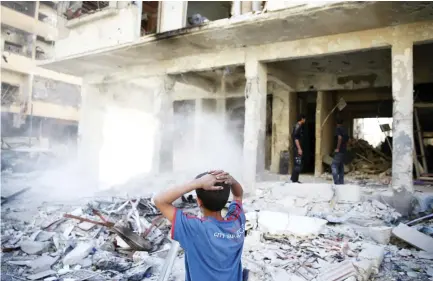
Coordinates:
(147, 94)
(254, 66)
(39, 107)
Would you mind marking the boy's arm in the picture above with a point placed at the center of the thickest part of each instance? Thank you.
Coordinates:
(164, 200)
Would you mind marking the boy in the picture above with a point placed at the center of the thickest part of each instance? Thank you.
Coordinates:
(213, 244)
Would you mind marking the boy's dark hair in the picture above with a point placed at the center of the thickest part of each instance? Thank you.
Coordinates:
(339, 121)
(301, 116)
(213, 200)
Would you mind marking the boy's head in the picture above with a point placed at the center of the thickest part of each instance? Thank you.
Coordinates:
(213, 200)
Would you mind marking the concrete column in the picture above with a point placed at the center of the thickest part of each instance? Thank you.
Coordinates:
(402, 127)
(90, 131)
(198, 121)
(255, 122)
(280, 126)
(221, 109)
(324, 136)
(163, 112)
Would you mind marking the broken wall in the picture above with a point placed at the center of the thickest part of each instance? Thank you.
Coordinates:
(102, 29)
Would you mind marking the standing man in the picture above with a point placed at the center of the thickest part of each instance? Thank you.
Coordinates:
(337, 167)
(297, 134)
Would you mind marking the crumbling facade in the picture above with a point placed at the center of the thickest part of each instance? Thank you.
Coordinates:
(266, 60)
(34, 100)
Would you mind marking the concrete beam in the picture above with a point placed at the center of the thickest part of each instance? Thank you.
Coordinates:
(26, 66)
(12, 78)
(28, 24)
(282, 78)
(331, 44)
(196, 80)
(47, 10)
(48, 110)
(363, 95)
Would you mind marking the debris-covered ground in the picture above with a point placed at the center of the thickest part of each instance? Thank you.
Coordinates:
(293, 232)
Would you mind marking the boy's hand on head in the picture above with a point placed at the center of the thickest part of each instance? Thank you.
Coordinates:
(208, 182)
(223, 176)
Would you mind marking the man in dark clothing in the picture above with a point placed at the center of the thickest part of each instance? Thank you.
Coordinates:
(337, 167)
(297, 133)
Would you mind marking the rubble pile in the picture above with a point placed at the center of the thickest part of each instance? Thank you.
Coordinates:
(320, 235)
(294, 232)
(106, 239)
(368, 159)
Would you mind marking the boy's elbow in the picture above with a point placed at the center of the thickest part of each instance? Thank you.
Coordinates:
(157, 201)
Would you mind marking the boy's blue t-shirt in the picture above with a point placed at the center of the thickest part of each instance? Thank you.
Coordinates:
(213, 248)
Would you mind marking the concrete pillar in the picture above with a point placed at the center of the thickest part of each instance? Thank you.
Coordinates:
(255, 122)
(324, 135)
(90, 132)
(221, 109)
(280, 126)
(163, 112)
(402, 127)
(198, 121)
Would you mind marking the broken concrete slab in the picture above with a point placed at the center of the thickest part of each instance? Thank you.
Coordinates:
(44, 236)
(373, 253)
(348, 193)
(86, 226)
(414, 237)
(284, 224)
(34, 247)
(80, 252)
(379, 234)
(337, 272)
(314, 192)
(42, 263)
(41, 275)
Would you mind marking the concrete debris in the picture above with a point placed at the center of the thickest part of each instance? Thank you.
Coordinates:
(86, 244)
(337, 272)
(414, 237)
(34, 247)
(80, 252)
(41, 275)
(111, 238)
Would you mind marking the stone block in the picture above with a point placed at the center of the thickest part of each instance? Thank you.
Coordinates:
(413, 237)
(348, 193)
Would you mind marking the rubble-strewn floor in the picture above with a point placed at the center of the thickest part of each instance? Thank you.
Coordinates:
(294, 232)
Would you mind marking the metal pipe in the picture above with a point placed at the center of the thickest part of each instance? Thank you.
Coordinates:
(168, 265)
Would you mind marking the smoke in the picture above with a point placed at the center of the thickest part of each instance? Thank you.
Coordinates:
(209, 145)
(117, 136)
